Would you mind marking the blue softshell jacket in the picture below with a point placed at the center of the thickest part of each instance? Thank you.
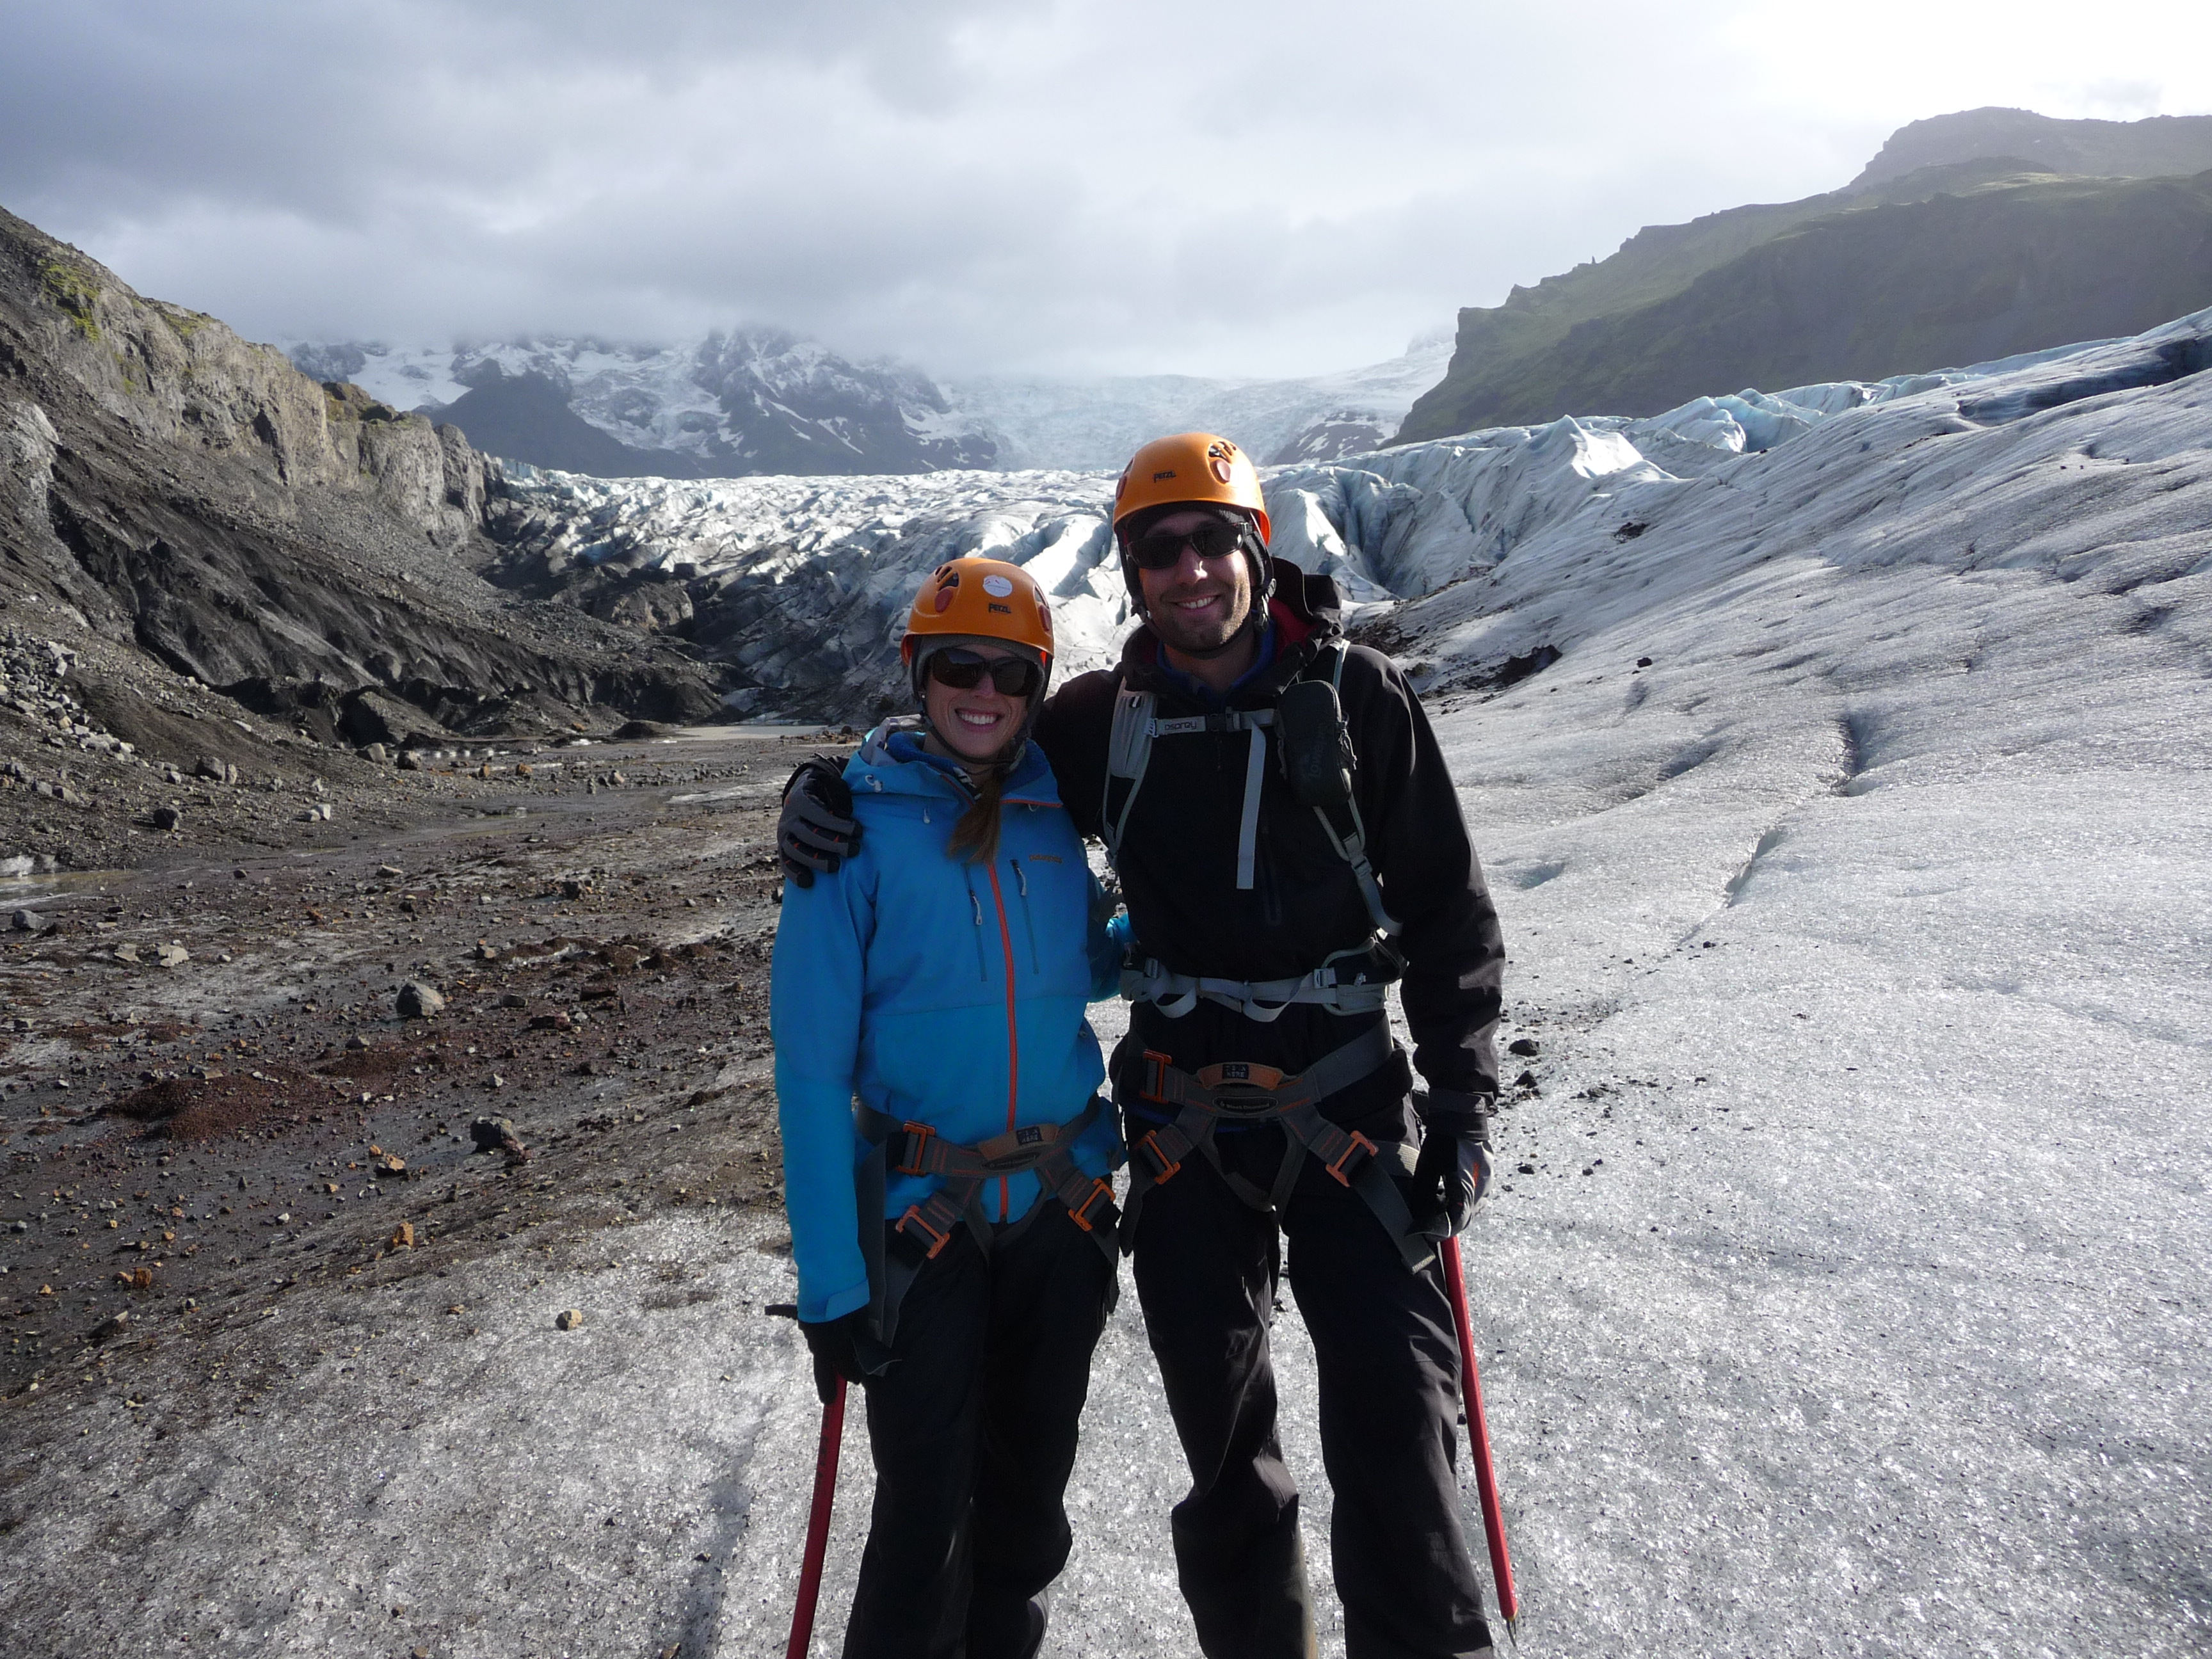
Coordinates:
(939, 991)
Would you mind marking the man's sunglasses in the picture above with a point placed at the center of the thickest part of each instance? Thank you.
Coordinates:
(964, 670)
(1162, 549)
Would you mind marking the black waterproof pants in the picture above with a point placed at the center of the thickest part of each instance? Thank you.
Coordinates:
(1206, 1268)
(973, 1431)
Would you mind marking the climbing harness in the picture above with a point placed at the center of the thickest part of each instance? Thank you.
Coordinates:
(1046, 1150)
(1241, 1091)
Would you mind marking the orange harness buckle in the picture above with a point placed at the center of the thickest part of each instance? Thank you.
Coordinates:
(938, 1239)
(1100, 1192)
(917, 1137)
(1359, 1143)
(1156, 1075)
(1150, 1145)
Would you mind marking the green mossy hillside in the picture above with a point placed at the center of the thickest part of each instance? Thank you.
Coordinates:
(73, 290)
(2011, 264)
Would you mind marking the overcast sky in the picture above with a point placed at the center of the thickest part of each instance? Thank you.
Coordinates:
(1054, 185)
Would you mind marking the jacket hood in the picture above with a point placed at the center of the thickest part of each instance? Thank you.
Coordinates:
(891, 761)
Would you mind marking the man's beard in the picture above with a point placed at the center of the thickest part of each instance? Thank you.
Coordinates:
(1203, 637)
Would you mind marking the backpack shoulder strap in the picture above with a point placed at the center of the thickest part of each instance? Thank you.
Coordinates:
(1129, 750)
(1350, 840)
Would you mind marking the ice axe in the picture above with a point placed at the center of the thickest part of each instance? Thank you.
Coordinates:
(1478, 1434)
(818, 1519)
(817, 1523)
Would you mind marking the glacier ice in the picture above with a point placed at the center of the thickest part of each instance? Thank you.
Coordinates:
(777, 565)
(1855, 1294)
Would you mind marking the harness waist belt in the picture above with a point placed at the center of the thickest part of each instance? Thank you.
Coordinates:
(1360, 985)
(1046, 1149)
(917, 1149)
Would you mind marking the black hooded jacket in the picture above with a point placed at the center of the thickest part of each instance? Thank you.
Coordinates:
(1177, 865)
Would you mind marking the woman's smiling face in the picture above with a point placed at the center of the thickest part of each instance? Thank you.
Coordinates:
(975, 723)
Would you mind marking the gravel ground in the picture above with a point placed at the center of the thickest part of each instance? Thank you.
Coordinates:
(188, 1140)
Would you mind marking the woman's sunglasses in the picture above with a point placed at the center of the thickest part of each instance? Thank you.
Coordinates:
(1162, 549)
(964, 670)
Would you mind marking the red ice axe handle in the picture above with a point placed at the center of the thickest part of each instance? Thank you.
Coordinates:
(1478, 1434)
(817, 1524)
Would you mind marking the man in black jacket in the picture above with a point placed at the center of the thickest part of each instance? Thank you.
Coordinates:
(1281, 862)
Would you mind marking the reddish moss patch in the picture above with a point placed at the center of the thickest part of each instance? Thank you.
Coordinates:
(155, 1102)
(199, 1109)
(368, 1064)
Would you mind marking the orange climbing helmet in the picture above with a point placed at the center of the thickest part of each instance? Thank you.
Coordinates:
(1191, 469)
(980, 599)
(1201, 469)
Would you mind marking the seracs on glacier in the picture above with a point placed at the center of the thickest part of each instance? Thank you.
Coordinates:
(803, 583)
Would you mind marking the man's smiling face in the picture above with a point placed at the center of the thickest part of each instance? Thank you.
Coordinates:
(1196, 604)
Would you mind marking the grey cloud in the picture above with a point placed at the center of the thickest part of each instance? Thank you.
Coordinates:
(1139, 186)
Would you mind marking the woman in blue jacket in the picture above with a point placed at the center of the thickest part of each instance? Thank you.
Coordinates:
(945, 1150)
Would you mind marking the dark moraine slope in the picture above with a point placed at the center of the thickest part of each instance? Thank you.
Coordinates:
(175, 491)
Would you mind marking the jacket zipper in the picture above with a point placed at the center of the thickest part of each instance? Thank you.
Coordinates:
(982, 962)
(1013, 1039)
(1028, 916)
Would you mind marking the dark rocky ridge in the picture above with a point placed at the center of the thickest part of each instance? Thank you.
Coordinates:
(208, 513)
(2019, 265)
(2162, 147)
(1911, 292)
(526, 417)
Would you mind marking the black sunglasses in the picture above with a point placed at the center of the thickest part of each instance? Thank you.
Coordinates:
(1162, 549)
(964, 670)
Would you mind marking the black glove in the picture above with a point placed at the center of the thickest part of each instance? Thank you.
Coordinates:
(816, 831)
(1105, 897)
(831, 1343)
(1453, 1170)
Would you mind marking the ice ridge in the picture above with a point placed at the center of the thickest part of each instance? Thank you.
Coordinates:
(800, 584)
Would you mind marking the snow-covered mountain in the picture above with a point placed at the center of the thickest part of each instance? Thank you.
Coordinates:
(800, 584)
(731, 403)
(753, 402)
